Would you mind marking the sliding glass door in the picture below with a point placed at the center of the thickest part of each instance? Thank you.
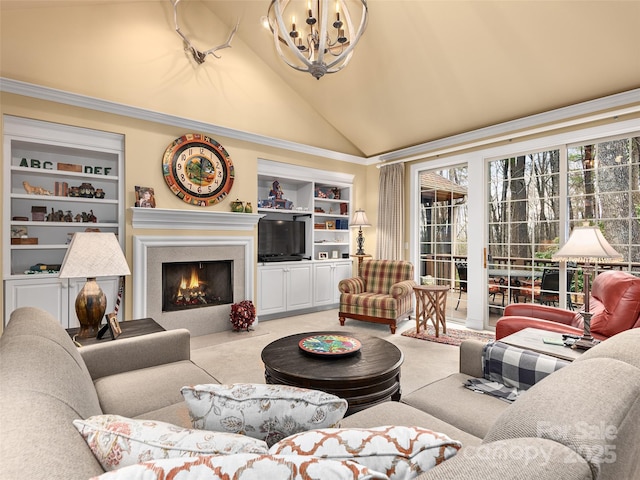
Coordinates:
(443, 233)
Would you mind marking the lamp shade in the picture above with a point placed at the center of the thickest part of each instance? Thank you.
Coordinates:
(94, 254)
(587, 244)
(360, 219)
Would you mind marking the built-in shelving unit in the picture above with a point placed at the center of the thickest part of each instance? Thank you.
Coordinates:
(322, 200)
(51, 175)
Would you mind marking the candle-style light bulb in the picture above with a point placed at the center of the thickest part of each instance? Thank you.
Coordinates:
(337, 23)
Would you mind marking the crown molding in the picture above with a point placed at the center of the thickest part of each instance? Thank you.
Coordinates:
(580, 113)
(83, 101)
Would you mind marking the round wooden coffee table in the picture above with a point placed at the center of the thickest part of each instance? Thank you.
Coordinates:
(365, 378)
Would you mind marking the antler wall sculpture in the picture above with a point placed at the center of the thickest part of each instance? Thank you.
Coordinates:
(200, 56)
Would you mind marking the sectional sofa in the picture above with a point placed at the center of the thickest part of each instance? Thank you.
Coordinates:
(581, 422)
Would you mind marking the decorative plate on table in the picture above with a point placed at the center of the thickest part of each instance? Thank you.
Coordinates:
(329, 345)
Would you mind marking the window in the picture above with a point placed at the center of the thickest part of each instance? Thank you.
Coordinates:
(531, 196)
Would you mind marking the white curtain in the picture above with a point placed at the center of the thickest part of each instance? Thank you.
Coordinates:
(390, 233)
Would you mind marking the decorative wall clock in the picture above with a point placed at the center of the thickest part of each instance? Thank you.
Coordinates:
(198, 169)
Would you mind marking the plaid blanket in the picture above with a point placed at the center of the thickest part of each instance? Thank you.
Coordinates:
(508, 371)
(495, 389)
(515, 367)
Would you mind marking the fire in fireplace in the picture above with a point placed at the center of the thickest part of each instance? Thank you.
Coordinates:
(196, 284)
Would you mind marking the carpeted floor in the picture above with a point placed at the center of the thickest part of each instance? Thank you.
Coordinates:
(454, 336)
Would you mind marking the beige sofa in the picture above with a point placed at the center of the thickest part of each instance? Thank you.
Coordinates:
(582, 422)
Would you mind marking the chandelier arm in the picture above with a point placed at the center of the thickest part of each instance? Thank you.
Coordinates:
(281, 27)
(348, 52)
(277, 41)
(322, 36)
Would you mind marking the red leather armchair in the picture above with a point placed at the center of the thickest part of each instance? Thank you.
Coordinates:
(614, 303)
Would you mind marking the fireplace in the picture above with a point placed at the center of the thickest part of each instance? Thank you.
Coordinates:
(228, 278)
(187, 285)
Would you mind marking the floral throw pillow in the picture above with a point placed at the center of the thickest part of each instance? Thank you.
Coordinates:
(119, 441)
(244, 467)
(265, 412)
(400, 452)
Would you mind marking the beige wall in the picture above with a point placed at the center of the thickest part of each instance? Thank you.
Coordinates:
(145, 143)
(129, 53)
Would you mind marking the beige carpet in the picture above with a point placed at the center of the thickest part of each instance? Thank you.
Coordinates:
(234, 357)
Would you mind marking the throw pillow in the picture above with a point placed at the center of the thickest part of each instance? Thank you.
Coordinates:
(244, 467)
(400, 452)
(118, 441)
(265, 412)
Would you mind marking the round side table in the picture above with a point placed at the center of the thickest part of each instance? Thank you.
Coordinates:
(431, 303)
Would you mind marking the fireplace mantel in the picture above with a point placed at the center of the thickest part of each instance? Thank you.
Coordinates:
(165, 218)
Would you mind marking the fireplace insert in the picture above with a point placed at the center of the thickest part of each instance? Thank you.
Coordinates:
(188, 285)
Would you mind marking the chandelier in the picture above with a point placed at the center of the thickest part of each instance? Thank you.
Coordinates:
(324, 40)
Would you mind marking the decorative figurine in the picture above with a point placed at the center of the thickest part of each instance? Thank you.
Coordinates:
(99, 193)
(248, 208)
(237, 206)
(276, 190)
(87, 190)
(33, 190)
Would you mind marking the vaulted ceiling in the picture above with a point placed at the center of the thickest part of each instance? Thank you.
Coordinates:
(428, 69)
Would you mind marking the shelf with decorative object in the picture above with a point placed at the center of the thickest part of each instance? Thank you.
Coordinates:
(294, 193)
(58, 180)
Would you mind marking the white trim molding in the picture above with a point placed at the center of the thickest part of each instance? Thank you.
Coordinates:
(165, 218)
(611, 106)
(83, 101)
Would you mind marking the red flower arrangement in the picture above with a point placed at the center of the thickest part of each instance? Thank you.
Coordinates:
(242, 315)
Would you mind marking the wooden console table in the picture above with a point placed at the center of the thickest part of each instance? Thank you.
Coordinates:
(131, 328)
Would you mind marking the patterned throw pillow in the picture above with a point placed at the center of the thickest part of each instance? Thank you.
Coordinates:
(118, 441)
(265, 412)
(400, 452)
(244, 467)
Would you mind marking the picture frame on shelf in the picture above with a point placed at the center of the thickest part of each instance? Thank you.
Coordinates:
(323, 255)
(19, 232)
(330, 225)
(112, 326)
(145, 197)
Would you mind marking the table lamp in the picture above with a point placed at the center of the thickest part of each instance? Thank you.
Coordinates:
(91, 255)
(586, 245)
(360, 220)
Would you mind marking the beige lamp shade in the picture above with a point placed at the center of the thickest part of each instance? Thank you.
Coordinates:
(94, 254)
(587, 245)
(360, 219)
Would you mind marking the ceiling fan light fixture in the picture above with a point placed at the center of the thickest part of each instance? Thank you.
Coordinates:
(326, 41)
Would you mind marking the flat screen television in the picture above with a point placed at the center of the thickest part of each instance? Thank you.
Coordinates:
(280, 240)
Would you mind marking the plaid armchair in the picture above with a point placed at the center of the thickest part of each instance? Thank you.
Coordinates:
(381, 294)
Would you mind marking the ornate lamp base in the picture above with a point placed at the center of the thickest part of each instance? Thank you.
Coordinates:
(91, 304)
